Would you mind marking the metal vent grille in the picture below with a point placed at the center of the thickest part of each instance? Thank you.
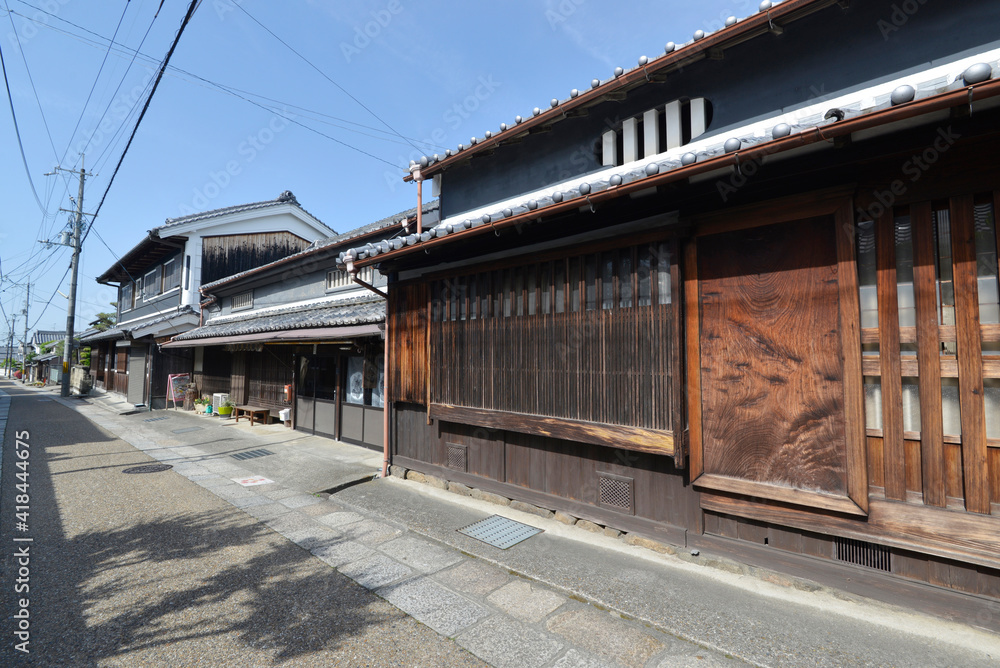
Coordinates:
(616, 492)
(864, 554)
(252, 454)
(458, 457)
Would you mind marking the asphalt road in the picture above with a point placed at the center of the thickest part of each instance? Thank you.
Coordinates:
(150, 569)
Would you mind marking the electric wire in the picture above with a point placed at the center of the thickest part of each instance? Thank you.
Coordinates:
(230, 90)
(83, 111)
(17, 131)
(142, 114)
(322, 73)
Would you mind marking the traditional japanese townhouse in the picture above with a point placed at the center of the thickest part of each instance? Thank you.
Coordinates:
(740, 298)
(159, 278)
(298, 333)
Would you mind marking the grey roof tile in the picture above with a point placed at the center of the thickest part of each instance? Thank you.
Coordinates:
(284, 198)
(358, 311)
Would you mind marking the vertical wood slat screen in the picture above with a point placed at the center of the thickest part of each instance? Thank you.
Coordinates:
(407, 317)
(587, 337)
(946, 344)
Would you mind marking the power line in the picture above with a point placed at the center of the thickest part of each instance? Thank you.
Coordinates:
(323, 74)
(229, 90)
(156, 83)
(17, 131)
(83, 111)
(127, 69)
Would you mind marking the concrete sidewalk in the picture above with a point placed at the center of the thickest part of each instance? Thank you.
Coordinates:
(564, 597)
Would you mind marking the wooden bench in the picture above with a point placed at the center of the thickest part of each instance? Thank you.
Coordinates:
(253, 413)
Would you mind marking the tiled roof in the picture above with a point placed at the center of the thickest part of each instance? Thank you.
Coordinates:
(317, 246)
(821, 121)
(284, 198)
(769, 15)
(41, 337)
(358, 311)
(92, 334)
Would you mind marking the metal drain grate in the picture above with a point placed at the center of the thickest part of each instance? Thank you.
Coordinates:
(252, 454)
(865, 554)
(185, 430)
(499, 531)
(148, 468)
(157, 419)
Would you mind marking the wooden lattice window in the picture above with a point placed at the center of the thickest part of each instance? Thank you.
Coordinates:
(587, 337)
(930, 316)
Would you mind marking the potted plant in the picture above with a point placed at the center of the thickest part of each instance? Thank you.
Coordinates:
(226, 410)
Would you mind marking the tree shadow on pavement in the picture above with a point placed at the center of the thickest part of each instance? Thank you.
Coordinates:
(213, 574)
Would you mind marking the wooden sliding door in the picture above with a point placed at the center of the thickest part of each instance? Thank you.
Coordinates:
(778, 391)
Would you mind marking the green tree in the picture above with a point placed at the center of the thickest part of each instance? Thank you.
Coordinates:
(106, 321)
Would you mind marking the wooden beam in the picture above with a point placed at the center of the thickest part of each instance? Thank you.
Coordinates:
(945, 533)
(609, 435)
(928, 356)
(692, 340)
(850, 339)
(892, 389)
(970, 370)
(790, 495)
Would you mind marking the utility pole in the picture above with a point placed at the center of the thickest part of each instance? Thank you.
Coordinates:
(10, 344)
(24, 355)
(71, 309)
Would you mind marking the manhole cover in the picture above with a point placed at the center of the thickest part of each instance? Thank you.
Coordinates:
(499, 531)
(148, 468)
(157, 419)
(252, 454)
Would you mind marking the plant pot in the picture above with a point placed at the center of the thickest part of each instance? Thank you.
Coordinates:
(225, 412)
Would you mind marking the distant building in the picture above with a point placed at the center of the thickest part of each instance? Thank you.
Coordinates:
(158, 284)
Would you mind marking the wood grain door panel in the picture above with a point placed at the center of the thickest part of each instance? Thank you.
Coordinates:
(772, 363)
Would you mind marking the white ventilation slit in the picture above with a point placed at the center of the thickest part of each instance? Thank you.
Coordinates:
(630, 140)
(699, 117)
(610, 148)
(650, 133)
(673, 122)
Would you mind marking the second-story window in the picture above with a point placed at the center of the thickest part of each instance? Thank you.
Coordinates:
(171, 274)
(126, 297)
(151, 284)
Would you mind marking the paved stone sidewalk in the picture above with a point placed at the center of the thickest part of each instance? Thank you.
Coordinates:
(565, 597)
(502, 618)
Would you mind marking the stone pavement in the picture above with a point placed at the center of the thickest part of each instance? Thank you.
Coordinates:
(562, 598)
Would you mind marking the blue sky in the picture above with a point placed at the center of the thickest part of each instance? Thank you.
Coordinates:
(423, 77)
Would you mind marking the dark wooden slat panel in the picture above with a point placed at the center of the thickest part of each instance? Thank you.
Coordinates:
(876, 467)
(892, 390)
(928, 354)
(953, 471)
(970, 373)
(617, 436)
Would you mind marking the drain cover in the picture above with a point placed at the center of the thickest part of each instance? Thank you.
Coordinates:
(252, 454)
(157, 419)
(185, 430)
(499, 531)
(148, 468)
